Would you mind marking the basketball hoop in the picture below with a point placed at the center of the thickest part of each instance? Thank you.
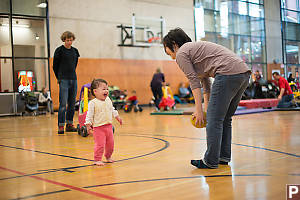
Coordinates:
(154, 39)
(143, 32)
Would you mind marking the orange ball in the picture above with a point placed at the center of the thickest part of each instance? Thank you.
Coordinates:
(202, 125)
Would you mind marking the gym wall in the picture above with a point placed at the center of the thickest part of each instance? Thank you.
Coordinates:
(94, 23)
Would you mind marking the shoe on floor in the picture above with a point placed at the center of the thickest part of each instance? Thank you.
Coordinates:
(223, 163)
(71, 128)
(60, 130)
(199, 164)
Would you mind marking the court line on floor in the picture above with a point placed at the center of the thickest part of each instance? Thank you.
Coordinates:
(64, 185)
(42, 194)
(178, 178)
(69, 169)
(211, 176)
(149, 180)
(245, 145)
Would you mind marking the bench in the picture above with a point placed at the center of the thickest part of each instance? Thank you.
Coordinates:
(259, 103)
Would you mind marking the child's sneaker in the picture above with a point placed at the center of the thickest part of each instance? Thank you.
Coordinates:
(71, 128)
(99, 163)
(109, 160)
(60, 130)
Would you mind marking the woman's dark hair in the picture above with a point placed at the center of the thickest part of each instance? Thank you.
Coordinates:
(175, 37)
(95, 84)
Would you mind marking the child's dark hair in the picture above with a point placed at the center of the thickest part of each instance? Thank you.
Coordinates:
(67, 34)
(95, 84)
(275, 73)
(175, 37)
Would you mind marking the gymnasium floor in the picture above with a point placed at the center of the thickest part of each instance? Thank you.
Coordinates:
(152, 154)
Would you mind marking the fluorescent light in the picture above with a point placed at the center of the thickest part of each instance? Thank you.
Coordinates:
(42, 5)
(17, 25)
(37, 37)
(199, 20)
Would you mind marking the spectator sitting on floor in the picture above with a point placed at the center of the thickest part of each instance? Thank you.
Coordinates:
(290, 78)
(45, 100)
(133, 98)
(183, 91)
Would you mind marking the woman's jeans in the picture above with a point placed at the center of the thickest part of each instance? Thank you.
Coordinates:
(225, 96)
(67, 96)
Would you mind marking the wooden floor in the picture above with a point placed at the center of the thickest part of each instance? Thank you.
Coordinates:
(152, 156)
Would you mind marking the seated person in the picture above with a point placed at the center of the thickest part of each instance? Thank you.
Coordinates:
(286, 95)
(133, 99)
(183, 91)
(45, 100)
(290, 78)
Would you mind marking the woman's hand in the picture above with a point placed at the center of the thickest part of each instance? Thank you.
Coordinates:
(198, 114)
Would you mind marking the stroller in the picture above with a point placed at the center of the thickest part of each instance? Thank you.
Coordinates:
(117, 96)
(82, 111)
(31, 104)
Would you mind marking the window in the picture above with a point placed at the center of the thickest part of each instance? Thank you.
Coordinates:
(23, 45)
(290, 13)
(4, 6)
(5, 42)
(257, 26)
(31, 7)
(256, 10)
(209, 22)
(258, 50)
(242, 47)
(226, 42)
(29, 39)
(6, 75)
(292, 52)
(238, 25)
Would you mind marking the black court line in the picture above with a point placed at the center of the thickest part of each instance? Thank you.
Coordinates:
(178, 178)
(267, 149)
(43, 152)
(294, 174)
(244, 145)
(71, 169)
(148, 180)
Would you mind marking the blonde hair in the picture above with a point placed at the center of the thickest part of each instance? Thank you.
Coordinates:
(67, 34)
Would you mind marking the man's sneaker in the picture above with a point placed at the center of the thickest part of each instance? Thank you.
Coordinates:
(60, 130)
(223, 163)
(71, 128)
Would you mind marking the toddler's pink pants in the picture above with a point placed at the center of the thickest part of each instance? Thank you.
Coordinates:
(104, 140)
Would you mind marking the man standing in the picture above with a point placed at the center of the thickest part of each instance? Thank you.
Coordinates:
(64, 66)
(286, 95)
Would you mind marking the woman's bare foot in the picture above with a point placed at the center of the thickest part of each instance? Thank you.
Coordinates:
(99, 163)
(109, 160)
